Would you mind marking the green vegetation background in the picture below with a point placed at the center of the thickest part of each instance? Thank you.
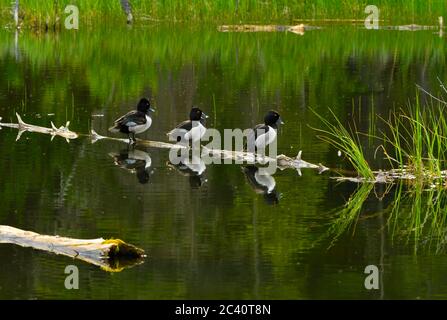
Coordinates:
(231, 11)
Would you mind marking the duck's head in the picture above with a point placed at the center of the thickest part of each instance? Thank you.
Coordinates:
(144, 106)
(273, 119)
(196, 114)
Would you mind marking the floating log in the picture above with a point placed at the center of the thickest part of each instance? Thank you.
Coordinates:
(404, 174)
(283, 161)
(111, 255)
(147, 143)
(62, 131)
(333, 20)
(298, 29)
(410, 27)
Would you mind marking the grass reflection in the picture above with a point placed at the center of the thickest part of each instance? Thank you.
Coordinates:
(416, 216)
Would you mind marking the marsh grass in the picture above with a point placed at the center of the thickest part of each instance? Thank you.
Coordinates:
(414, 142)
(418, 139)
(231, 11)
(347, 140)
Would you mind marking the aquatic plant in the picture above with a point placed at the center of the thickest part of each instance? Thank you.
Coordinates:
(346, 140)
(414, 142)
(228, 11)
(418, 138)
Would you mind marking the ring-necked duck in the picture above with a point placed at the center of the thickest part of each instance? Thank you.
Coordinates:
(265, 133)
(190, 130)
(134, 122)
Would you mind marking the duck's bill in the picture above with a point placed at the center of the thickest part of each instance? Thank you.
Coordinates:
(280, 121)
(151, 109)
(204, 116)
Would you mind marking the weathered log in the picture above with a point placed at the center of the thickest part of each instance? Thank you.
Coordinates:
(410, 27)
(283, 161)
(111, 255)
(401, 174)
(62, 131)
(298, 29)
(147, 143)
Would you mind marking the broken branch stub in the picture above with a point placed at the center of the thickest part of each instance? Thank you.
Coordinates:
(62, 131)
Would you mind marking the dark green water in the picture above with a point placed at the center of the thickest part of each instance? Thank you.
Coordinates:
(219, 239)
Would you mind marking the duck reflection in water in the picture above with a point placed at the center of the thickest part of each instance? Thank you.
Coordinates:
(263, 184)
(193, 167)
(136, 161)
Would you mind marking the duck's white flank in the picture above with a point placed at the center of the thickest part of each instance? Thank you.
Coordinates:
(266, 138)
(140, 128)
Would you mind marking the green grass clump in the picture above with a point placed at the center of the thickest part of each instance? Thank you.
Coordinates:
(348, 142)
(418, 138)
(414, 142)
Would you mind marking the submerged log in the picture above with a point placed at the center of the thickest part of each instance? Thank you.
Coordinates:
(111, 255)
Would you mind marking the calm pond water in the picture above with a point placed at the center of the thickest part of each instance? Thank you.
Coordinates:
(214, 236)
